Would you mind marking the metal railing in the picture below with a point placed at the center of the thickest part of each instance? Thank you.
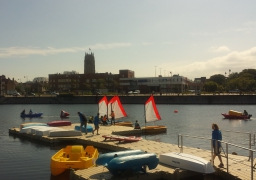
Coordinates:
(226, 154)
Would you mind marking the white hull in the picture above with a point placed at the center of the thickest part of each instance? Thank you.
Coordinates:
(187, 161)
(39, 130)
(64, 133)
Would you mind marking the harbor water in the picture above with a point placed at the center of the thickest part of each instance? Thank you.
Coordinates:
(22, 158)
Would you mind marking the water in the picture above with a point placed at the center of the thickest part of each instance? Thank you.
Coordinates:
(22, 158)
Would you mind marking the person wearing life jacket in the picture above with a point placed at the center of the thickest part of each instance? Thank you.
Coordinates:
(112, 115)
(136, 125)
(104, 120)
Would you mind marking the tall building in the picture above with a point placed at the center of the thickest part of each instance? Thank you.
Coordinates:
(89, 63)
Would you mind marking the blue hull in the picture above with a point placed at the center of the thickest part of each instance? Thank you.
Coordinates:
(104, 159)
(31, 115)
(133, 163)
(88, 127)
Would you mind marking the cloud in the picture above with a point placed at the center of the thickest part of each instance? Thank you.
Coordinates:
(235, 61)
(219, 49)
(27, 51)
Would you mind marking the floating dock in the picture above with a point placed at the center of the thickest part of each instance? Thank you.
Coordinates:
(239, 166)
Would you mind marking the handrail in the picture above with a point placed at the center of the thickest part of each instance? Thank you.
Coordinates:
(180, 145)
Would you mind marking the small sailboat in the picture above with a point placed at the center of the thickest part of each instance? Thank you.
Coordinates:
(152, 115)
(115, 105)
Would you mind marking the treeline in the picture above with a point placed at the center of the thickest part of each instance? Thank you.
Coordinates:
(244, 81)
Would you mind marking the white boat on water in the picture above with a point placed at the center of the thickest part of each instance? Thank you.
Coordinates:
(187, 162)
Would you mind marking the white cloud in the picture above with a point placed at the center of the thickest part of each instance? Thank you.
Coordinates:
(26, 51)
(235, 61)
(219, 49)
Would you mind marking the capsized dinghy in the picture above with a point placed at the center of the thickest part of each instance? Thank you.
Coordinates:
(104, 159)
(133, 163)
(187, 161)
(75, 157)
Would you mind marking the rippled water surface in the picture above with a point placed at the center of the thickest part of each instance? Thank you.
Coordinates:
(28, 159)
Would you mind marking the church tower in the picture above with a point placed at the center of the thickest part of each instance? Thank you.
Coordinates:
(89, 63)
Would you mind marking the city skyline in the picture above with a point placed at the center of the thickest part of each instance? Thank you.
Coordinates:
(191, 38)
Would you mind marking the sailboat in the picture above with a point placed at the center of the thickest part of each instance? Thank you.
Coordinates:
(115, 105)
(152, 115)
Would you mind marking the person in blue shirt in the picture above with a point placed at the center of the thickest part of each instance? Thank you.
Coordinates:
(96, 123)
(216, 135)
(83, 121)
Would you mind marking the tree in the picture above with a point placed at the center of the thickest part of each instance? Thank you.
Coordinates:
(210, 86)
(218, 78)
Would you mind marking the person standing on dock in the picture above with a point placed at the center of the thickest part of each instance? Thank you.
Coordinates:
(96, 123)
(83, 122)
(112, 115)
(216, 135)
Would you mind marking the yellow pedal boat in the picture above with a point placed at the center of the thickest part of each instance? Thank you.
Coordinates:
(75, 157)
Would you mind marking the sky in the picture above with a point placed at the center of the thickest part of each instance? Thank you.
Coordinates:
(192, 38)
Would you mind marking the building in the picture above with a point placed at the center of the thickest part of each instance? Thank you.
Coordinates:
(173, 84)
(89, 63)
(7, 86)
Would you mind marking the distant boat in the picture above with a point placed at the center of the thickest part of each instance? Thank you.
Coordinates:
(31, 115)
(187, 162)
(236, 115)
(64, 114)
(75, 157)
(152, 115)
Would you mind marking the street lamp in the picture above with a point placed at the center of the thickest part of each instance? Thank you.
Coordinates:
(155, 71)
(160, 71)
(171, 81)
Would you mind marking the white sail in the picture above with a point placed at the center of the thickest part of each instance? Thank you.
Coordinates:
(151, 111)
(115, 105)
(103, 106)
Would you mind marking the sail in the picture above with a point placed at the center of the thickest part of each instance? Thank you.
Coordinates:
(103, 106)
(115, 105)
(151, 112)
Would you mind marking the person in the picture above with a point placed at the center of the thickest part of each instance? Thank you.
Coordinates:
(104, 120)
(83, 121)
(96, 123)
(112, 115)
(23, 112)
(62, 114)
(245, 113)
(216, 135)
(91, 119)
(136, 125)
(30, 111)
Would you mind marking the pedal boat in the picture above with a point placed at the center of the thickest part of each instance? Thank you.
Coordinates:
(75, 157)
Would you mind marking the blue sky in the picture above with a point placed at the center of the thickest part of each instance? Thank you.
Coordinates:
(192, 38)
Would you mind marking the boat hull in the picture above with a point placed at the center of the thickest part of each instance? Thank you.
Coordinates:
(228, 116)
(75, 157)
(104, 159)
(88, 127)
(128, 124)
(133, 163)
(154, 129)
(187, 161)
(31, 115)
(59, 123)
